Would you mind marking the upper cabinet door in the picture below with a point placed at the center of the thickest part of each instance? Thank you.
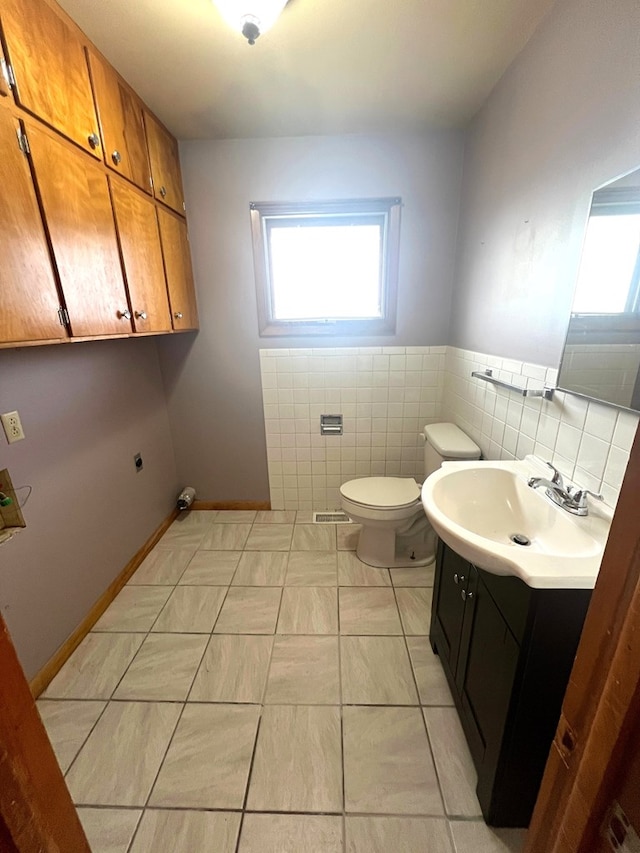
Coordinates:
(177, 264)
(50, 70)
(121, 124)
(75, 198)
(29, 300)
(142, 258)
(165, 165)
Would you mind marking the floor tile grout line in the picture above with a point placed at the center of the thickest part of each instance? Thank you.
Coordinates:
(185, 568)
(413, 672)
(130, 583)
(202, 657)
(160, 766)
(298, 812)
(135, 831)
(208, 643)
(451, 836)
(424, 719)
(344, 788)
(240, 826)
(109, 700)
(121, 701)
(262, 704)
(245, 799)
(275, 635)
(90, 732)
(342, 750)
(215, 621)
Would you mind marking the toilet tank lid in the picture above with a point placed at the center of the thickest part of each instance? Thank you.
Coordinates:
(382, 491)
(450, 442)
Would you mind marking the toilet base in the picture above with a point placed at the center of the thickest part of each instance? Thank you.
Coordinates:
(385, 548)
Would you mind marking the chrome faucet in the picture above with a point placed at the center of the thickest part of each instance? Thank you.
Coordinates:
(571, 498)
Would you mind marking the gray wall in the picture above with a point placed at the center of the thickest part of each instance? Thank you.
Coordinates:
(86, 410)
(563, 120)
(213, 381)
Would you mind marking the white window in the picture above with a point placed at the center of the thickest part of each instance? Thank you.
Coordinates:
(326, 268)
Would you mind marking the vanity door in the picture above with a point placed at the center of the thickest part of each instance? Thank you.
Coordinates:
(486, 671)
(449, 603)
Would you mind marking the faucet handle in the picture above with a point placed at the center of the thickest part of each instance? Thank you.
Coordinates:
(579, 496)
(557, 476)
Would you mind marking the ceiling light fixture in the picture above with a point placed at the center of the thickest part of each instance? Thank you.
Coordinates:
(251, 17)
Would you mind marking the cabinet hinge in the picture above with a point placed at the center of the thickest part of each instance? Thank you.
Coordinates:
(7, 73)
(151, 182)
(184, 206)
(63, 316)
(23, 142)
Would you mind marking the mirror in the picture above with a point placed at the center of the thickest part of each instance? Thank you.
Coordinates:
(601, 356)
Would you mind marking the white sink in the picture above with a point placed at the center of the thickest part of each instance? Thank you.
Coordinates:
(476, 507)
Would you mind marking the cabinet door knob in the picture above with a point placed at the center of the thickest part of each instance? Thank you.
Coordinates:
(116, 157)
(124, 315)
(94, 140)
(141, 315)
(163, 192)
(465, 594)
(458, 578)
(178, 315)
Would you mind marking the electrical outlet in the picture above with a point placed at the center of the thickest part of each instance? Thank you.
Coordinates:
(12, 426)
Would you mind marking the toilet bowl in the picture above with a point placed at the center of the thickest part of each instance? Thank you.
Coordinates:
(395, 530)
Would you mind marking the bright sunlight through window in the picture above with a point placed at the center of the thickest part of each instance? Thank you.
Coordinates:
(326, 267)
(607, 281)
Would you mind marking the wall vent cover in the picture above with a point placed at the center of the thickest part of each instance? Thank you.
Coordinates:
(331, 518)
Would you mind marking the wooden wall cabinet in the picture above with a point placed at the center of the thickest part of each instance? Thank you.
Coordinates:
(87, 247)
(121, 124)
(50, 71)
(75, 199)
(139, 241)
(165, 165)
(177, 264)
(29, 300)
(507, 651)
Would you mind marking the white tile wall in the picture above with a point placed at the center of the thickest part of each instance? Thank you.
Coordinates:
(587, 441)
(387, 394)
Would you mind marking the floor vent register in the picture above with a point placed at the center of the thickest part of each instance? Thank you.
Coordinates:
(331, 518)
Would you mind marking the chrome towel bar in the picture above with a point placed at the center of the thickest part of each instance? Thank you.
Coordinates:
(488, 376)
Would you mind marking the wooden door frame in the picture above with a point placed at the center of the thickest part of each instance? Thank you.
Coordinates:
(37, 814)
(603, 696)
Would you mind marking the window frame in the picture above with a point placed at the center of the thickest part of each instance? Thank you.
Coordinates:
(261, 214)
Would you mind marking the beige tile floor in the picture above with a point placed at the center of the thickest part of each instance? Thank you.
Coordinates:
(255, 688)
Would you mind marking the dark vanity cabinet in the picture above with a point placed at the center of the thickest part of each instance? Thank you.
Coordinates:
(507, 651)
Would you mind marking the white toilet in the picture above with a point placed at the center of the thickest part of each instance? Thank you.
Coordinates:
(395, 530)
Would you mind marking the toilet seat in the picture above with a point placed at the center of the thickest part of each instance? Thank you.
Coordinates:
(382, 493)
(395, 531)
(388, 508)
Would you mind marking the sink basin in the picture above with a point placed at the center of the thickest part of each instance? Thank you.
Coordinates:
(488, 514)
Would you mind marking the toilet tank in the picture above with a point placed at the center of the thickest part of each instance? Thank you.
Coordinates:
(446, 442)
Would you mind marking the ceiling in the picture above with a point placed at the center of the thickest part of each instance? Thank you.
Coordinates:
(326, 67)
